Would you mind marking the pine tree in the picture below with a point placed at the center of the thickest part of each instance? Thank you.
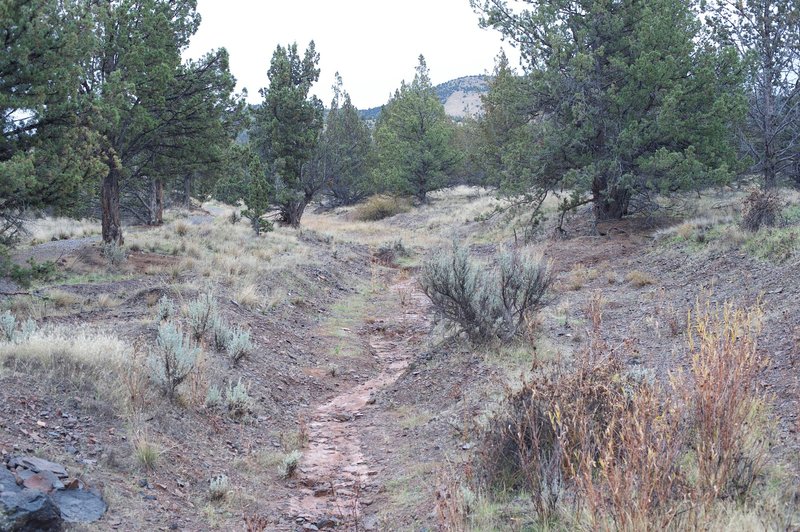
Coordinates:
(344, 151)
(628, 99)
(414, 138)
(287, 128)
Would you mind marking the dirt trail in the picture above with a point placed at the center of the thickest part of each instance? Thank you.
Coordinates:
(335, 468)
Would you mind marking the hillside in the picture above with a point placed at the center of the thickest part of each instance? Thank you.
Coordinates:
(461, 97)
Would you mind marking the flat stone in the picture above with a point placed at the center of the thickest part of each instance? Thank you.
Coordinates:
(37, 465)
(79, 506)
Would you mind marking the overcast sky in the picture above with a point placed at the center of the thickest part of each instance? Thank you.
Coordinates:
(374, 44)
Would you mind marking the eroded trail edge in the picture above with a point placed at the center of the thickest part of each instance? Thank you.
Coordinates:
(334, 472)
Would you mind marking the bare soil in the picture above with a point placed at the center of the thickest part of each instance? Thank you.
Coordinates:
(383, 421)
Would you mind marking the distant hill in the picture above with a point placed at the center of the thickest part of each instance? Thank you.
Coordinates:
(461, 97)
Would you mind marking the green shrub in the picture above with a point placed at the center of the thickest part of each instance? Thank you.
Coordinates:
(165, 310)
(238, 345)
(221, 333)
(9, 331)
(380, 207)
(114, 254)
(218, 487)
(290, 463)
(202, 312)
(213, 397)
(36, 271)
(484, 302)
(173, 359)
(239, 401)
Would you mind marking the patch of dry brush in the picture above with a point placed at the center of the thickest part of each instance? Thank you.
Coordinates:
(597, 445)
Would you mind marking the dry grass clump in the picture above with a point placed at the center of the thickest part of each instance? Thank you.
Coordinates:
(58, 228)
(379, 207)
(62, 299)
(81, 359)
(639, 278)
(249, 296)
(761, 208)
(598, 447)
(579, 276)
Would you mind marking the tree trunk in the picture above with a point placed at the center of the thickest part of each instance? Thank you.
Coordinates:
(109, 201)
(609, 204)
(292, 211)
(156, 202)
(187, 190)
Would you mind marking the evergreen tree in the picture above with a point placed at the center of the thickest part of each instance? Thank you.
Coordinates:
(287, 128)
(44, 148)
(628, 99)
(344, 150)
(414, 138)
(257, 190)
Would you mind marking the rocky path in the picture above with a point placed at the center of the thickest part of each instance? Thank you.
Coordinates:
(335, 474)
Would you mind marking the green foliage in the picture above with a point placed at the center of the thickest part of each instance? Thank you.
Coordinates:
(625, 99)
(202, 312)
(485, 303)
(238, 345)
(287, 127)
(44, 148)
(239, 401)
(25, 276)
(342, 159)
(173, 359)
(251, 183)
(13, 332)
(414, 139)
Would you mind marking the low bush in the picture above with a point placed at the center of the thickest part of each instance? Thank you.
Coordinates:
(218, 487)
(165, 310)
(25, 276)
(379, 207)
(239, 401)
(238, 345)
(173, 359)
(631, 452)
(12, 332)
(201, 313)
(761, 208)
(486, 303)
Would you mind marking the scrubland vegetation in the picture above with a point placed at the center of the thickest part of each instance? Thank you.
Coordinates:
(575, 310)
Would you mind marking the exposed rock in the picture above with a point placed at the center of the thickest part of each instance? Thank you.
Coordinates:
(37, 465)
(27, 511)
(46, 499)
(79, 506)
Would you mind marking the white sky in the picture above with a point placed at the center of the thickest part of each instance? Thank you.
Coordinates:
(374, 44)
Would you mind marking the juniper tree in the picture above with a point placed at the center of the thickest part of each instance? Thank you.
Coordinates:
(627, 98)
(414, 138)
(287, 128)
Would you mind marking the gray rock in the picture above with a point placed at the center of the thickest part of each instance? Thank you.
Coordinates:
(8, 482)
(28, 511)
(37, 465)
(79, 506)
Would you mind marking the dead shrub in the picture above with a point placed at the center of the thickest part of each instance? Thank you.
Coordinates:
(485, 302)
(629, 452)
(761, 208)
(379, 207)
(723, 398)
